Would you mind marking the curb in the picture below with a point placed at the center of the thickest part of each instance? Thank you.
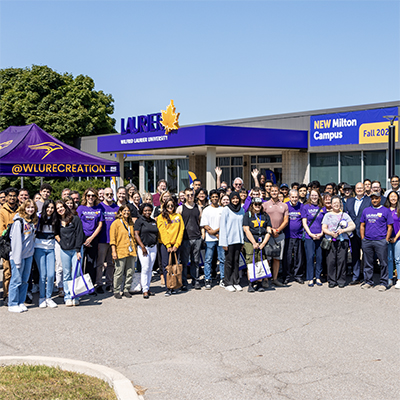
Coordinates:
(122, 386)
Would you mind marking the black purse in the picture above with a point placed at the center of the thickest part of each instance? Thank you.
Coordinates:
(273, 249)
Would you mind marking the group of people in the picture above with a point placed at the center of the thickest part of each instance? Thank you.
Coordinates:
(302, 233)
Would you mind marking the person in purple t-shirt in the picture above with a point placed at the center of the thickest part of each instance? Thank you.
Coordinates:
(294, 248)
(393, 204)
(92, 219)
(313, 214)
(110, 210)
(375, 231)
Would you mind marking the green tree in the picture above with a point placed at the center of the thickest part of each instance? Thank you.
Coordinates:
(64, 106)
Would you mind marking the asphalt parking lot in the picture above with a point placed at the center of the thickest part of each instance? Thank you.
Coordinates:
(290, 343)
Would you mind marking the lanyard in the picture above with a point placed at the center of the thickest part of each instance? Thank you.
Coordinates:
(129, 232)
(259, 226)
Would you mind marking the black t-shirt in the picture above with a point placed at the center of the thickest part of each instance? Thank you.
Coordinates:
(134, 211)
(254, 224)
(148, 231)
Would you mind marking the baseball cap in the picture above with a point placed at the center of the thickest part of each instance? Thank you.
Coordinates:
(284, 185)
(376, 194)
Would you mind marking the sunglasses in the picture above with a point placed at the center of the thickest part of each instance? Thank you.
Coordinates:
(108, 194)
(90, 195)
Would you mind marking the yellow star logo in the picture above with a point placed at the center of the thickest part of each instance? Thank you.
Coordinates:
(170, 118)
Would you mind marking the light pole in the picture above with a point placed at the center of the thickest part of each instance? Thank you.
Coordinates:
(392, 144)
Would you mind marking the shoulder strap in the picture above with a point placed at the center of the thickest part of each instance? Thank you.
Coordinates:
(315, 217)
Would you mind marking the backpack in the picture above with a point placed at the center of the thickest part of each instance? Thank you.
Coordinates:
(5, 240)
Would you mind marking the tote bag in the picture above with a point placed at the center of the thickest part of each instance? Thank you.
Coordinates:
(258, 270)
(82, 284)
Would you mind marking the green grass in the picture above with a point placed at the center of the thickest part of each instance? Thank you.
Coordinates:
(38, 382)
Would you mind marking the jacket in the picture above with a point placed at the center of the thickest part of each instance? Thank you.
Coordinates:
(349, 208)
(6, 217)
(22, 243)
(71, 236)
(119, 238)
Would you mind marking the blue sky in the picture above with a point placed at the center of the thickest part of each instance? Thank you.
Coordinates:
(217, 60)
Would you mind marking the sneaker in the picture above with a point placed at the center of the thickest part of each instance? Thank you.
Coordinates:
(75, 302)
(127, 295)
(61, 292)
(208, 285)
(68, 303)
(168, 293)
(250, 288)
(382, 288)
(16, 309)
(42, 303)
(265, 284)
(184, 288)
(100, 290)
(261, 289)
(174, 291)
(275, 282)
(118, 295)
(366, 286)
(222, 283)
(197, 285)
(50, 303)
(5, 300)
(35, 288)
(23, 307)
(238, 288)
(230, 288)
(397, 286)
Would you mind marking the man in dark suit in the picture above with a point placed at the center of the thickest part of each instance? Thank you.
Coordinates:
(355, 206)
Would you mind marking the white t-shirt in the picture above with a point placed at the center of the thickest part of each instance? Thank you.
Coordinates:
(211, 217)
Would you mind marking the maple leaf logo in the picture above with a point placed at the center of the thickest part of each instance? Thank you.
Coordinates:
(170, 118)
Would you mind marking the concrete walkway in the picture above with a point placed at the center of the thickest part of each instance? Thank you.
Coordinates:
(289, 343)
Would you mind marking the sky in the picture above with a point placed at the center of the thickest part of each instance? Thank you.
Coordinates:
(218, 60)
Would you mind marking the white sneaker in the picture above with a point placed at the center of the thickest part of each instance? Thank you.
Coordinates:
(230, 288)
(75, 302)
(238, 288)
(68, 303)
(23, 307)
(50, 303)
(42, 303)
(222, 283)
(16, 309)
(35, 288)
(397, 286)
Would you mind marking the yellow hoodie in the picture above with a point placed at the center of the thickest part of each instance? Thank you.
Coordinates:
(171, 234)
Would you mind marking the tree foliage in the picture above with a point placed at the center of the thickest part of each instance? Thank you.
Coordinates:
(64, 106)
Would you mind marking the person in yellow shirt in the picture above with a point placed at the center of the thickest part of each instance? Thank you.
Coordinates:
(123, 250)
(170, 227)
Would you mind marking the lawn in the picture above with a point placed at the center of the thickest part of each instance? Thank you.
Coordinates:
(39, 382)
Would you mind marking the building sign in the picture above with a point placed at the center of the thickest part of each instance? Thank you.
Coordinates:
(357, 127)
(166, 121)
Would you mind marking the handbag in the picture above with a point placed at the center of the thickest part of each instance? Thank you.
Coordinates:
(273, 249)
(258, 270)
(136, 285)
(82, 284)
(174, 273)
(325, 244)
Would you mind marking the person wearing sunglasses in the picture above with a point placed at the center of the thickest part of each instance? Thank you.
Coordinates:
(110, 210)
(171, 228)
(238, 184)
(92, 219)
(191, 243)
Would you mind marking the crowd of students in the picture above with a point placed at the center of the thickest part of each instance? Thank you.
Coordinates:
(313, 229)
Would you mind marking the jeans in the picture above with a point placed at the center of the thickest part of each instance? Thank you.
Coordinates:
(210, 248)
(394, 255)
(45, 260)
(68, 260)
(313, 247)
(147, 266)
(59, 268)
(190, 248)
(19, 281)
(124, 268)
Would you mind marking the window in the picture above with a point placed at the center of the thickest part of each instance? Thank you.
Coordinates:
(375, 166)
(350, 167)
(324, 167)
(232, 167)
